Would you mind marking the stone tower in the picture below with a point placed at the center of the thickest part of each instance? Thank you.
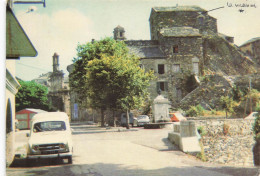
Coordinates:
(55, 61)
(181, 16)
(56, 78)
(119, 33)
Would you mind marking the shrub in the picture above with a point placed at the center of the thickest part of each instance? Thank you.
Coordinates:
(195, 111)
(256, 128)
(226, 129)
(200, 110)
(213, 111)
(192, 112)
(201, 155)
(257, 107)
(201, 131)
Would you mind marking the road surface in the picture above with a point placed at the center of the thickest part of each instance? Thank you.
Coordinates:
(120, 152)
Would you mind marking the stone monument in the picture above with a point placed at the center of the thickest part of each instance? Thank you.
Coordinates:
(161, 107)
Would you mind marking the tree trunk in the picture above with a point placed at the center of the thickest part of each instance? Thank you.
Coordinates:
(114, 118)
(127, 119)
(102, 117)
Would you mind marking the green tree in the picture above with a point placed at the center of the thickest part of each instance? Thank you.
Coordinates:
(32, 95)
(112, 78)
(227, 104)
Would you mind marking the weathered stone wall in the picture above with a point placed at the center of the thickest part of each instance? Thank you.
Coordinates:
(228, 141)
(159, 20)
(141, 42)
(252, 49)
(189, 51)
(209, 92)
(243, 81)
(220, 56)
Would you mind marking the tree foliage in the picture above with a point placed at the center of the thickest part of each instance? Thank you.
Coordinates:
(106, 76)
(228, 104)
(32, 95)
(256, 127)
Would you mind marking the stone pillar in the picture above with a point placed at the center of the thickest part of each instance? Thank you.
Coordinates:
(185, 136)
(187, 129)
(161, 107)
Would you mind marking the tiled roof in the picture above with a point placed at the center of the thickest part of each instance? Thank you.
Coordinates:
(179, 8)
(35, 110)
(146, 51)
(180, 32)
(251, 41)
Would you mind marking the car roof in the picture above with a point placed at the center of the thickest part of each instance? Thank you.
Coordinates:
(50, 116)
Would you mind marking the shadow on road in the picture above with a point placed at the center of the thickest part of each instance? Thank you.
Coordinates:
(37, 163)
(102, 169)
(91, 130)
(171, 147)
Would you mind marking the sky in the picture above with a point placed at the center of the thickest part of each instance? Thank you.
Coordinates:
(63, 24)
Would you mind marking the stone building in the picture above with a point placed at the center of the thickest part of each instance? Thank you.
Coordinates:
(184, 43)
(17, 45)
(252, 48)
(59, 88)
(175, 49)
(43, 79)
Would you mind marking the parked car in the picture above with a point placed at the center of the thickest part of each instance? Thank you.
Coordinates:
(252, 115)
(50, 137)
(123, 119)
(177, 116)
(141, 120)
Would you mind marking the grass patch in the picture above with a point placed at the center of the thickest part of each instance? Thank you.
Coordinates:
(201, 155)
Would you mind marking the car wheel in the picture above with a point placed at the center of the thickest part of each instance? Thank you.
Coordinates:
(70, 160)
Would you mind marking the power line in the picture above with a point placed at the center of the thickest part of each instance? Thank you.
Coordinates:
(33, 67)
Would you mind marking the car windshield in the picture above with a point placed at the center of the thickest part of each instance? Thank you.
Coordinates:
(142, 117)
(49, 126)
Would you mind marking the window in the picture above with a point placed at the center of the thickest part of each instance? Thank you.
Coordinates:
(161, 68)
(175, 49)
(49, 126)
(176, 68)
(162, 86)
(195, 67)
(121, 34)
(178, 94)
(201, 20)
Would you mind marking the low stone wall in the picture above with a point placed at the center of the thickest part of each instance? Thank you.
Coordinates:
(228, 141)
(184, 135)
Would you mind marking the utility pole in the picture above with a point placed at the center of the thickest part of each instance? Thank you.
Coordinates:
(250, 98)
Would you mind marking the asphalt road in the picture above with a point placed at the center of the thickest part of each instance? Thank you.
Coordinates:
(120, 152)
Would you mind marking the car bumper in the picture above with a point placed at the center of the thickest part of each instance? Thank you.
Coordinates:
(142, 123)
(59, 155)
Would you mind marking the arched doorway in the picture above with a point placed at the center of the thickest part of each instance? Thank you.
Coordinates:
(10, 135)
(9, 125)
